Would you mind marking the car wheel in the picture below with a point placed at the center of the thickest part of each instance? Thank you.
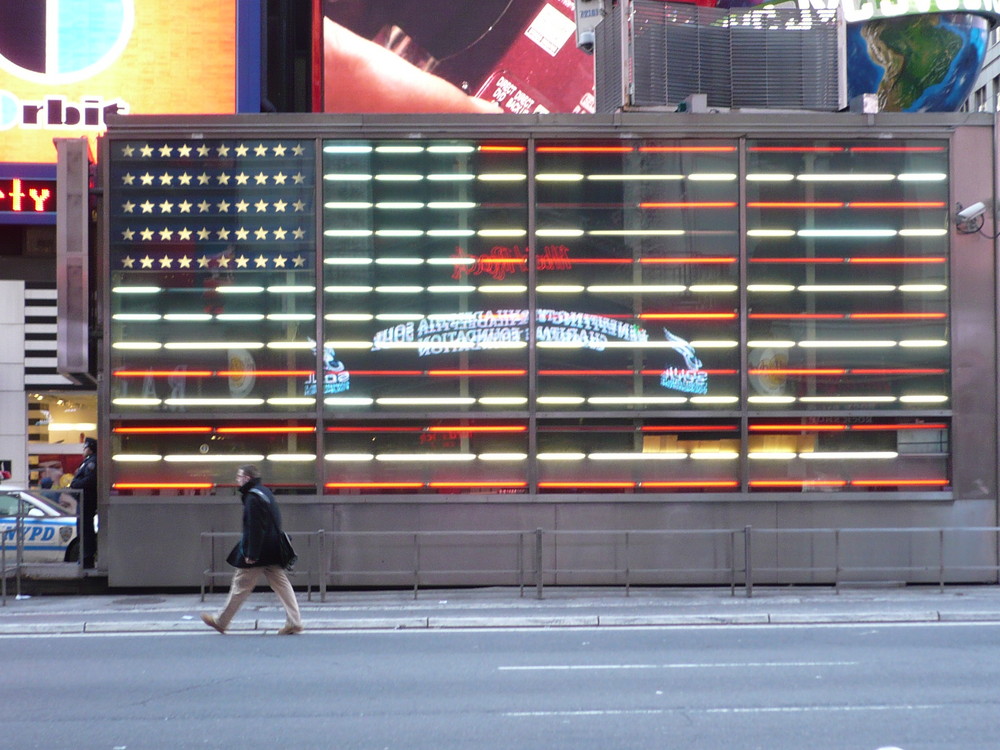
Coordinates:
(73, 551)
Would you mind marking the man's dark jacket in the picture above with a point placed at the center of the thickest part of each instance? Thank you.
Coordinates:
(261, 528)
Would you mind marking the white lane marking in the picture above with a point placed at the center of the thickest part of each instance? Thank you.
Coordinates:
(733, 710)
(706, 665)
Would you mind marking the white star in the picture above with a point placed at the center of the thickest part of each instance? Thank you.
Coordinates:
(203, 179)
(279, 262)
(128, 178)
(128, 262)
(128, 234)
(298, 234)
(260, 149)
(165, 262)
(147, 207)
(166, 150)
(299, 206)
(279, 150)
(147, 234)
(166, 179)
(242, 261)
(166, 207)
(203, 262)
(298, 178)
(261, 178)
(128, 207)
(261, 233)
(279, 206)
(166, 235)
(128, 151)
(260, 261)
(223, 234)
(279, 179)
(242, 234)
(279, 233)
(203, 150)
(223, 261)
(146, 150)
(203, 207)
(223, 179)
(147, 179)
(204, 234)
(223, 150)
(241, 178)
(298, 150)
(184, 262)
(242, 206)
(261, 206)
(184, 207)
(184, 234)
(298, 261)
(184, 151)
(146, 262)
(241, 150)
(184, 179)
(223, 206)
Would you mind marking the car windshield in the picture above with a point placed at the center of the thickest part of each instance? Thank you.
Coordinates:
(9, 499)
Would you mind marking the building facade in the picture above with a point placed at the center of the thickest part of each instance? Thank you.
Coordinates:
(640, 322)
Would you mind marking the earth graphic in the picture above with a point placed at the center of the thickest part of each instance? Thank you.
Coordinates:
(920, 63)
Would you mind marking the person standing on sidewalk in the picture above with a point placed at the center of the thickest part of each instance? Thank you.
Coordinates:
(257, 553)
(85, 480)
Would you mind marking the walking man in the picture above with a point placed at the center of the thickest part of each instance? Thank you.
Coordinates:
(258, 552)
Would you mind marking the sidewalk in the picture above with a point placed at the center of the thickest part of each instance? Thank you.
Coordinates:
(504, 608)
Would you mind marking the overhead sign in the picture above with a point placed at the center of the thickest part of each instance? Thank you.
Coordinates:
(66, 65)
(856, 11)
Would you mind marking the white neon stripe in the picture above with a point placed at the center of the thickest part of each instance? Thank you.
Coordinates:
(399, 149)
(923, 399)
(291, 457)
(426, 401)
(187, 317)
(550, 456)
(137, 401)
(429, 457)
(193, 458)
(286, 345)
(559, 177)
(451, 233)
(291, 316)
(711, 176)
(769, 177)
(503, 456)
(213, 345)
(849, 177)
(136, 317)
(503, 400)
(292, 401)
(848, 344)
(846, 233)
(771, 399)
(136, 457)
(347, 289)
(399, 261)
(348, 205)
(666, 456)
(348, 233)
(770, 233)
(347, 149)
(239, 316)
(770, 288)
(349, 457)
(137, 345)
(714, 455)
(849, 455)
(777, 344)
(239, 289)
(347, 177)
(452, 205)
(353, 317)
(136, 289)
(291, 289)
(399, 177)
(213, 401)
(637, 400)
(637, 288)
(560, 400)
(348, 401)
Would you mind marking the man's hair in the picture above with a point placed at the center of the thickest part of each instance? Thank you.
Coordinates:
(251, 471)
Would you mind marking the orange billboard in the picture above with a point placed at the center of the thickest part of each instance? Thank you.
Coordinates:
(66, 65)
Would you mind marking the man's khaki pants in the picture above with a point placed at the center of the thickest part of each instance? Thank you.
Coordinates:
(244, 581)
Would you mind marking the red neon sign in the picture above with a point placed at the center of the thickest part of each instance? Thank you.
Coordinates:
(27, 196)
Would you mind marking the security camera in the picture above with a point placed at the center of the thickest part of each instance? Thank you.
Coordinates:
(972, 212)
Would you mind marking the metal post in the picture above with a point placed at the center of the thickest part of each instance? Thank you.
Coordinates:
(732, 563)
(941, 560)
(747, 572)
(416, 564)
(836, 560)
(3, 568)
(323, 568)
(538, 563)
(520, 563)
(627, 564)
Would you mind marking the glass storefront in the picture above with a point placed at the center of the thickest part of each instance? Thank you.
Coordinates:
(551, 316)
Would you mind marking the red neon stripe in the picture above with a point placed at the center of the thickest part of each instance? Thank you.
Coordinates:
(164, 430)
(656, 261)
(800, 371)
(797, 483)
(900, 371)
(593, 261)
(896, 204)
(798, 260)
(797, 316)
(503, 149)
(721, 483)
(577, 373)
(486, 483)
(935, 259)
(266, 373)
(162, 485)
(797, 427)
(795, 204)
(261, 430)
(162, 373)
(374, 485)
(686, 149)
(686, 316)
(901, 482)
(586, 485)
(584, 149)
(483, 428)
(925, 426)
(897, 316)
(689, 204)
(374, 428)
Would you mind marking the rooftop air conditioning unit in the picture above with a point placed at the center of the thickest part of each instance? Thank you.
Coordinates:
(656, 54)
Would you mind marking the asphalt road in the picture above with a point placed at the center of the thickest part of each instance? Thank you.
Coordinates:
(846, 687)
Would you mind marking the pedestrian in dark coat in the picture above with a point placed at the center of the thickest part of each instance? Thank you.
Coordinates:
(85, 480)
(257, 553)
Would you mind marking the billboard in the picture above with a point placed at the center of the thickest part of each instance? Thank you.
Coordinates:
(435, 56)
(66, 66)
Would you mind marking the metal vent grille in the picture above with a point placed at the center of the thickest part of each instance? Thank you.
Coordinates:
(773, 57)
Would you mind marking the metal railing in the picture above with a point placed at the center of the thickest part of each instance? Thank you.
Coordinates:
(529, 558)
(308, 548)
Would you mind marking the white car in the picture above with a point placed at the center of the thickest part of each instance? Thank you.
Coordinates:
(49, 531)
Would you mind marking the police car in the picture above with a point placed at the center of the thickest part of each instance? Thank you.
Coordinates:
(49, 532)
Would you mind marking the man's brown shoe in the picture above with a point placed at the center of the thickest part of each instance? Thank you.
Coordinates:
(212, 622)
(290, 630)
